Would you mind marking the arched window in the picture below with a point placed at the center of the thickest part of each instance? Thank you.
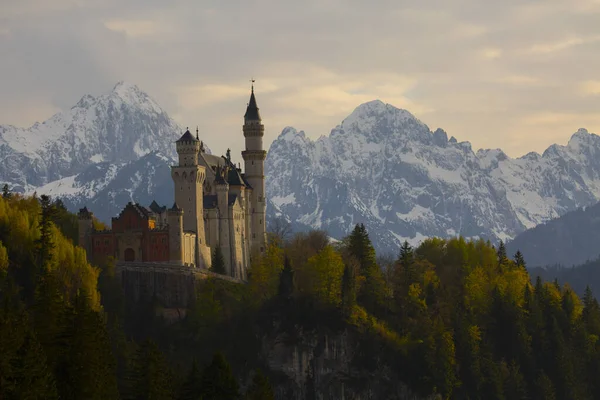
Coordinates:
(129, 255)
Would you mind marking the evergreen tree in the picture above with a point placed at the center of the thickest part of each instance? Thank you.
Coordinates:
(218, 261)
(261, 388)
(45, 242)
(502, 258)
(6, 191)
(150, 376)
(218, 382)
(519, 260)
(406, 256)
(24, 371)
(372, 289)
(349, 287)
(192, 389)
(286, 279)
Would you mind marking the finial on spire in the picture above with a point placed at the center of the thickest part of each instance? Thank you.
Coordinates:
(252, 80)
(228, 154)
(197, 138)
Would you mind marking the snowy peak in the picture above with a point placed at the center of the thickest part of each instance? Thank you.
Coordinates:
(118, 126)
(383, 167)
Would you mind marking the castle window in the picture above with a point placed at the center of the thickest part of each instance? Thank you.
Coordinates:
(164, 240)
(97, 243)
(260, 222)
(106, 242)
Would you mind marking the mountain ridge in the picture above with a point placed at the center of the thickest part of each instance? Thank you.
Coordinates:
(384, 167)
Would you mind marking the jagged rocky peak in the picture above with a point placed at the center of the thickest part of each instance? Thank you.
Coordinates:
(118, 126)
(375, 121)
(383, 167)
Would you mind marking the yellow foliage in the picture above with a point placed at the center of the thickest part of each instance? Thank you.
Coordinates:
(415, 295)
(512, 283)
(365, 322)
(322, 276)
(19, 218)
(264, 273)
(477, 291)
(3, 258)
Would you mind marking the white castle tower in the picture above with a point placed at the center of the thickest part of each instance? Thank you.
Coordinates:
(254, 172)
(189, 177)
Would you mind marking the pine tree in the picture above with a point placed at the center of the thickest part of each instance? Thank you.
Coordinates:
(218, 382)
(502, 258)
(218, 261)
(192, 389)
(519, 260)
(149, 376)
(349, 288)
(372, 290)
(286, 280)
(406, 257)
(45, 243)
(6, 191)
(261, 388)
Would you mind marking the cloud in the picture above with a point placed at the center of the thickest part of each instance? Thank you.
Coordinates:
(591, 87)
(564, 44)
(508, 74)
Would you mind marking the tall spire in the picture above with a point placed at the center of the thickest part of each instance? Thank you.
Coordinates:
(252, 109)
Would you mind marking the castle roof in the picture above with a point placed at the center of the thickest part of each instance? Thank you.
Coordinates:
(252, 113)
(187, 137)
(175, 207)
(155, 208)
(210, 201)
(248, 185)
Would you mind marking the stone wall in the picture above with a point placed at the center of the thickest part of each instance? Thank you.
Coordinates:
(173, 286)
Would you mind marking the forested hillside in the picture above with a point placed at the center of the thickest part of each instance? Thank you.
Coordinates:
(450, 319)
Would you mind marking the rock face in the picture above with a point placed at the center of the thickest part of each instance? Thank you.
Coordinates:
(322, 365)
(118, 127)
(383, 167)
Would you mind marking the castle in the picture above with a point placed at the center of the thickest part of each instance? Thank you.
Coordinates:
(216, 206)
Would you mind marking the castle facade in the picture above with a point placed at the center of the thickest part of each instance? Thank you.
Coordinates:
(216, 206)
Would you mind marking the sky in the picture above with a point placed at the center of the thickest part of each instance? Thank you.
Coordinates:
(514, 74)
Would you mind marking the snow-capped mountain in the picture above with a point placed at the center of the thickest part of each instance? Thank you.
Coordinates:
(385, 168)
(117, 127)
(105, 188)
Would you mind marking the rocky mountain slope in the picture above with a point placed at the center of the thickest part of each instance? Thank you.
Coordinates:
(383, 167)
(116, 127)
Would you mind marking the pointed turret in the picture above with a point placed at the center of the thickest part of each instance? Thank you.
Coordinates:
(252, 113)
(254, 172)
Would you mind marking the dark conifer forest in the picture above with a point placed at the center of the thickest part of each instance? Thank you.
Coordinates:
(451, 319)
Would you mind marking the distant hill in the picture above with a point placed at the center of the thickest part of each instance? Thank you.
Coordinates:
(571, 239)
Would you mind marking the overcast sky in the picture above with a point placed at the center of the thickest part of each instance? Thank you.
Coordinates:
(515, 74)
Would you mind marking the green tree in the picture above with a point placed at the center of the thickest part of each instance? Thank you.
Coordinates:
(218, 261)
(218, 382)
(372, 290)
(261, 388)
(150, 376)
(286, 279)
(6, 191)
(191, 388)
(45, 242)
(349, 286)
(519, 260)
(502, 258)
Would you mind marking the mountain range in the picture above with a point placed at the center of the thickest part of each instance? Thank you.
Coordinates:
(381, 166)
(385, 168)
